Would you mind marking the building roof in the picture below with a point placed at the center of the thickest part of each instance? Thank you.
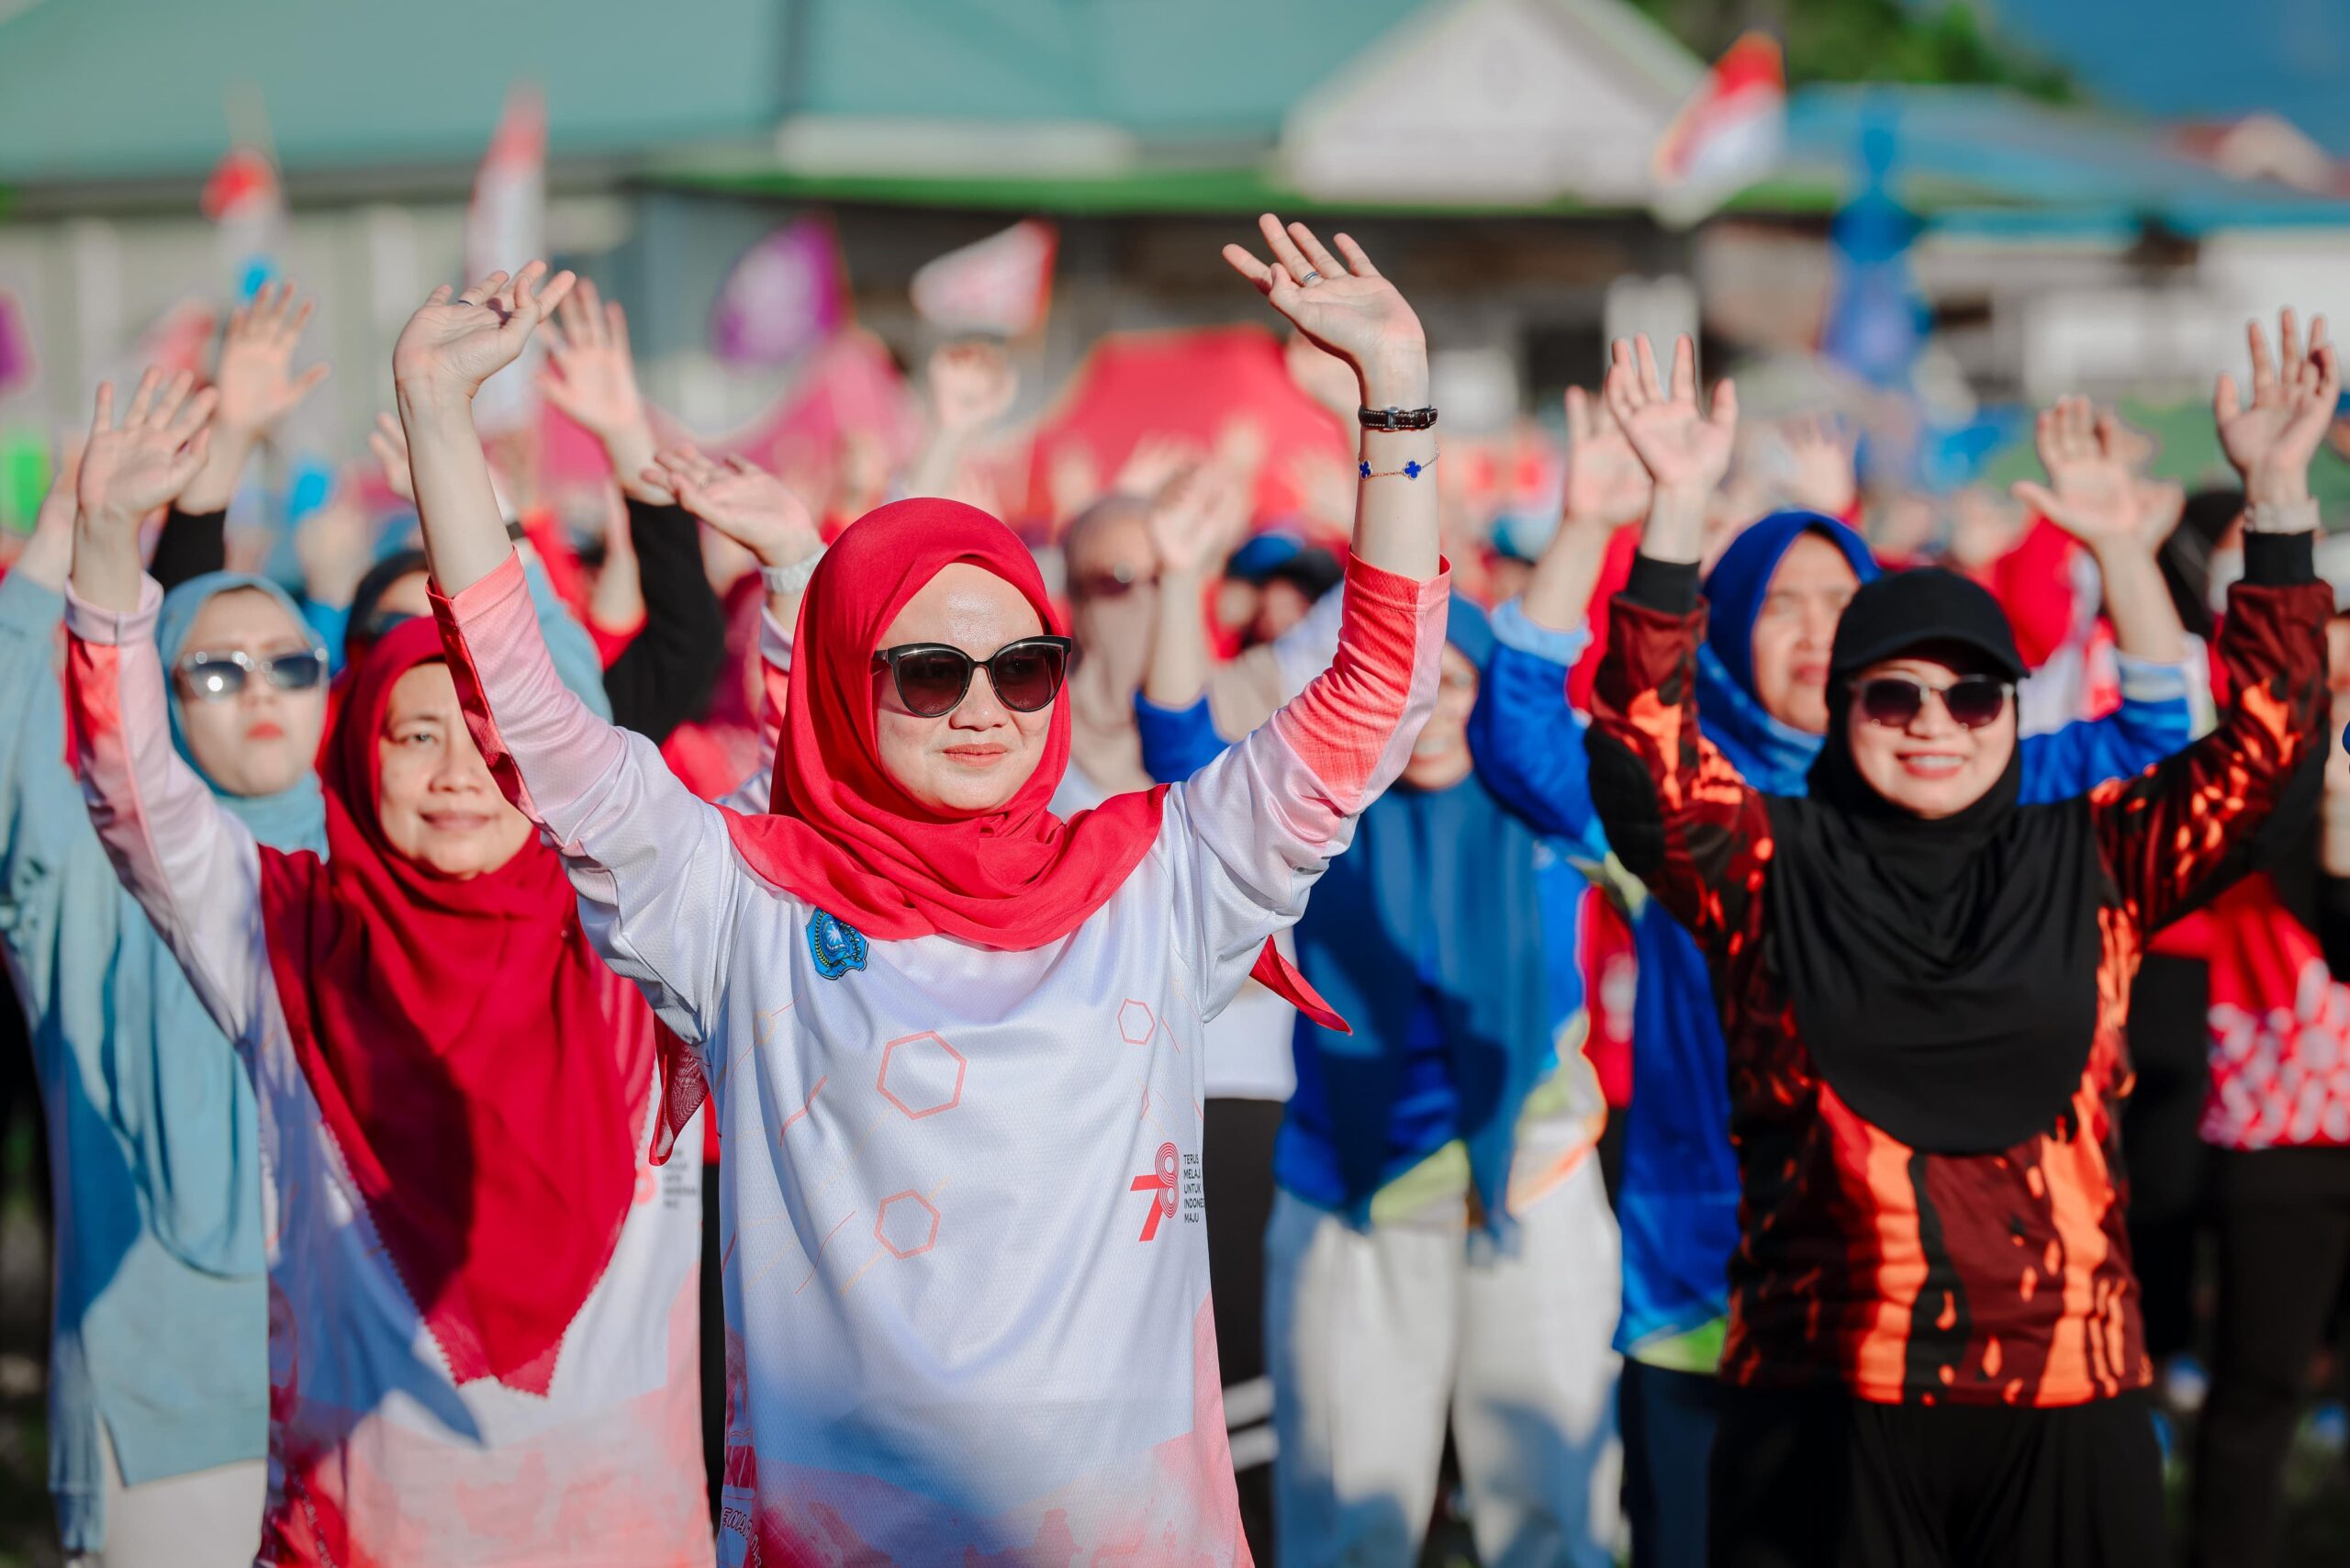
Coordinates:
(1988, 160)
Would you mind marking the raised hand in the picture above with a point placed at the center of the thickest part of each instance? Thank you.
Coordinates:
(1345, 307)
(257, 388)
(1195, 519)
(591, 376)
(1155, 462)
(1607, 486)
(389, 442)
(128, 470)
(48, 554)
(1685, 449)
(1824, 480)
(2271, 439)
(459, 338)
(2094, 498)
(743, 501)
(971, 385)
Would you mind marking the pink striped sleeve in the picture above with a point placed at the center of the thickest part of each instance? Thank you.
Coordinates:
(510, 692)
(1263, 820)
(192, 867)
(1353, 726)
(653, 868)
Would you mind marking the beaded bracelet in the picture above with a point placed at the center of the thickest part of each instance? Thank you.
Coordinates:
(1409, 470)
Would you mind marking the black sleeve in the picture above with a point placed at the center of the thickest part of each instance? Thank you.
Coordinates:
(665, 677)
(2334, 924)
(1669, 588)
(191, 544)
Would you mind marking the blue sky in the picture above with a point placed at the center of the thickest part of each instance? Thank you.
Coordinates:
(2201, 58)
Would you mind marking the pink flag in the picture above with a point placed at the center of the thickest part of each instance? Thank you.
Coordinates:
(1001, 285)
(505, 227)
(248, 210)
(785, 295)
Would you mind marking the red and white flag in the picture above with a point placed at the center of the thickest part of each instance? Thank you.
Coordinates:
(247, 207)
(1002, 285)
(505, 227)
(1729, 134)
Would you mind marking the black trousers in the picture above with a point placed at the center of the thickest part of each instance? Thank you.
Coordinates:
(1237, 1142)
(1822, 1480)
(1668, 1420)
(2284, 1227)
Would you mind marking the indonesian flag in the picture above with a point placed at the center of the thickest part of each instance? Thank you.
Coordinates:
(1002, 285)
(505, 227)
(1728, 135)
(247, 207)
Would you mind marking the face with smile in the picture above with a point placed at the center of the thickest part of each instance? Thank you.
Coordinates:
(1796, 628)
(1440, 756)
(1931, 767)
(261, 740)
(436, 803)
(975, 757)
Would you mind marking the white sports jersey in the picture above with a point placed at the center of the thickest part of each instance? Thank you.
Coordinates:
(965, 1267)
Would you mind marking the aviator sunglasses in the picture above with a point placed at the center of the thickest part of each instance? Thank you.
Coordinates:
(1895, 701)
(933, 678)
(216, 677)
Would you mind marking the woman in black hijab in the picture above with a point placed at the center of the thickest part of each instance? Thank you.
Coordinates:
(1935, 1355)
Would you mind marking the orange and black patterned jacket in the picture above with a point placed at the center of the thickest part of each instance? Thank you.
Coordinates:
(1903, 1275)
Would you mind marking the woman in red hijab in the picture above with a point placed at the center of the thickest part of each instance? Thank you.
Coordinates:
(953, 1039)
(482, 1300)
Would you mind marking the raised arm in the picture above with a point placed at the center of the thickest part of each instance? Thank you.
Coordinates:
(41, 806)
(1267, 815)
(256, 386)
(192, 867)
(1529, 742)
(1677, 814)
(663, 677)
(2184, 829)
(2094, 496)
(654, 871)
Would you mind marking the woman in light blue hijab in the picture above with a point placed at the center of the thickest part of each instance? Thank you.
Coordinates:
(159, 1375)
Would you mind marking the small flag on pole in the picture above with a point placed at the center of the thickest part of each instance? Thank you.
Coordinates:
(1729, 134)
(247, 207)
(1002, 285)
(505, 227)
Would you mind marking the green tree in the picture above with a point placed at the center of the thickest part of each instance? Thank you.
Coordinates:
(1868, 40)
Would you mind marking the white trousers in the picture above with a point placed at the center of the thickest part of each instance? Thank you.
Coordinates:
(1374, 1339)
(208, 1518)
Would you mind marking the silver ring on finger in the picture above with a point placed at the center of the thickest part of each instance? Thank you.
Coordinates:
(1310, 279)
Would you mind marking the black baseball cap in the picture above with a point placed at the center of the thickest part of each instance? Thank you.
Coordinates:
(1903, 611)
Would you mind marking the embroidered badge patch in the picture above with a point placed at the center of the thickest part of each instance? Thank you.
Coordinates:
(836, 945)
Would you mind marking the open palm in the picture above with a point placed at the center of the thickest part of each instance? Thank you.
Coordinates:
(1683, 448)
(593, 378)
(740, 499)
(2273, 435)
(2091, 493)
(1346, 308)
(129, 470)
(457, 340)
(1607, 486)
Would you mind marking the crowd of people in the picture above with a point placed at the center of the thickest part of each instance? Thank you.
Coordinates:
(834, 1031)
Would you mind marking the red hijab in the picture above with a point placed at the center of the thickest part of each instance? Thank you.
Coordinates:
(840, 834)
(477, 1067)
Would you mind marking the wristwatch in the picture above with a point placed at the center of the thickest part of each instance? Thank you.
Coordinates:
(1396, 418)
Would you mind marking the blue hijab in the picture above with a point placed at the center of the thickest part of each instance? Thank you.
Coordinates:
(1431, 920)
(1775, 757)
(294, 818)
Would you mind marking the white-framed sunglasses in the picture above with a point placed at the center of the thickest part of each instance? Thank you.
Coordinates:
(217, 678)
